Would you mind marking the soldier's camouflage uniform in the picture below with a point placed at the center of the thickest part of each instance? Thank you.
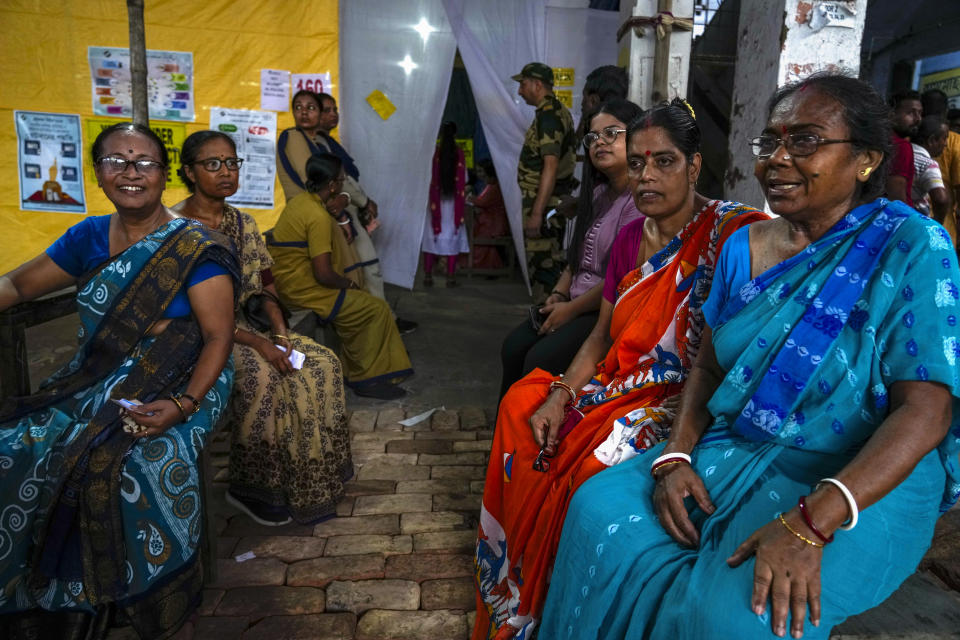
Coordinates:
(551, 133)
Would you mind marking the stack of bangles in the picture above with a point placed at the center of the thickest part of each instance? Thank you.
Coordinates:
(560, 384)
(666, 460)
(808, 520)
(279, 336)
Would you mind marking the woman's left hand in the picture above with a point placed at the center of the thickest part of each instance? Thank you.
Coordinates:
(165, 415)
(558, 314)
(787, 572)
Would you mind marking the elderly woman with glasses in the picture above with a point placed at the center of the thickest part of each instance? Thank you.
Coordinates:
(554, 432)
(289, 448)
(551, 336)
(99, 485)
(818, 435)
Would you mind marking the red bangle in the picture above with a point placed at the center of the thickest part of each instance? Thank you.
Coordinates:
(560, 384)
(802, 505)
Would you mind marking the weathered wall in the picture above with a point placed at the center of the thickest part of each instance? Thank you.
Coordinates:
(637, 54)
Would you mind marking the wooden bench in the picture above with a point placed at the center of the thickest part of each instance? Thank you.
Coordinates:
(506, 242)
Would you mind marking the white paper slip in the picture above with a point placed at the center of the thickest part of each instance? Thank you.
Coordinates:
(243, 557)
(296, 358)
(409, 422)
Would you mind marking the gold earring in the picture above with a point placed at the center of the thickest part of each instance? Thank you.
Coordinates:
(866, 172)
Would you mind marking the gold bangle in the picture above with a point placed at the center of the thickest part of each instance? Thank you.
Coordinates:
(665, 464)
(179, 404)
(236, 330)
(277, 336)
(560, 384)
(783, 521)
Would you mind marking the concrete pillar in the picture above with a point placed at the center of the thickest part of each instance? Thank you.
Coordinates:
(781, 41)
(638, 54)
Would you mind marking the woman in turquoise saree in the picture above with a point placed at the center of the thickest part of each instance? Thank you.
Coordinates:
(818, 436)
(100, 511)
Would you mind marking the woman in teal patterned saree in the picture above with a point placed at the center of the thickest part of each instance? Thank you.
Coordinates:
(827, 387)
(100, 511)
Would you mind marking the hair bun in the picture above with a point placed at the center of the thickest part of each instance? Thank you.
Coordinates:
(680, 102)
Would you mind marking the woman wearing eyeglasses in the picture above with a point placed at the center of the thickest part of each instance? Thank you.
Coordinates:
(554, 432)
(289, 449)
(803, 477)
(101, 504)
(605, 206)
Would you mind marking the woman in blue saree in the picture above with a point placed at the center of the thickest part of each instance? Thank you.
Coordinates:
(101, 511)
(827, 387)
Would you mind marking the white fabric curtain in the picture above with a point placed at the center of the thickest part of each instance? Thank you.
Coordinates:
(394, 155)
(496, 38)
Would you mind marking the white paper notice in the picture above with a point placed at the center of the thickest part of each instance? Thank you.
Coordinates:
(316, 82)
(255, 134)
(169, 83)
(274, 90)
(49, 151)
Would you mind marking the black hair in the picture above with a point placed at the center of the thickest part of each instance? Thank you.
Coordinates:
(191, 149)
(448, 158)
(930, 127)
(901, 96)
(867, 117)
(934, 102)
(624, 111)
(489, 170)
(321, 169)
(97, 149)
(676, 119)
(307, 93)
(953, 114)
(609, 82)
(324, 96)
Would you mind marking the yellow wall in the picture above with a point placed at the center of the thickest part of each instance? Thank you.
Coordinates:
(43, 46)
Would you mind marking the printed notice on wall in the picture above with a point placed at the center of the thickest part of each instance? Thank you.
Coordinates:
(171, 133)
(49, 154)
(255, 134)
(169, 83)
(274, 90)
(316, 82)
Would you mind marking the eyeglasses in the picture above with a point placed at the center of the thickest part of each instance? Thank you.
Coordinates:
(796, 144)
(305, 107)
(607, 134)
(542, 463)
(214, 164)
(113, 165)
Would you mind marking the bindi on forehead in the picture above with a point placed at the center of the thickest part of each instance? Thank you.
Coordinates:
(648, 152)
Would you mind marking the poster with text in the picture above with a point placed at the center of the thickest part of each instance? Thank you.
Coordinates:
(255, 134)
(316, 82)
(49, 156)
(169, 83)
(171, 133)
(274, 90)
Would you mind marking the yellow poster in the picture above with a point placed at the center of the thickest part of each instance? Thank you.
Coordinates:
(563, 76)
(172, 133)
(947, 81)
(565, 96)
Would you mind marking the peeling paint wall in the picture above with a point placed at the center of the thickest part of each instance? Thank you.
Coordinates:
(777, 45)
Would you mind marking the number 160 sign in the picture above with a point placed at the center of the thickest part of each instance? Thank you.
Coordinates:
(316, 82)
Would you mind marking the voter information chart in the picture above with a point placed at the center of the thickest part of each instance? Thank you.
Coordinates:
(49, 154)
(170, 91)
(255, 134)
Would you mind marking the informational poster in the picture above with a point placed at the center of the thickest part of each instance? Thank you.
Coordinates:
(563, 76)
(49, 151)
(274, 90)
(171, 133)
(833, 14)
(316, 82)
(947, 81)
(255, 134)
(169, 83)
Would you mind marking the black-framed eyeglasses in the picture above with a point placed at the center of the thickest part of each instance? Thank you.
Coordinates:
(306, 107)
(796, 144)
(114, 165)
(542, 463)
(607, 134)
(214, 164)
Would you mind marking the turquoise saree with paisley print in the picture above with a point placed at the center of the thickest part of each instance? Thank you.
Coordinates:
(810, 349)
(95, 522)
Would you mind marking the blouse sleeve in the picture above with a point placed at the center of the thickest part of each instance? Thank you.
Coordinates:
(82, 246)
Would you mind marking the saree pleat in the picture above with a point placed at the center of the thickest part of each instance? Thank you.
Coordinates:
(92, 516)
(655, 330)
(619, 575)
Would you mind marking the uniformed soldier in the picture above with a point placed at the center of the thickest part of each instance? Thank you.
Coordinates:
(544, 173)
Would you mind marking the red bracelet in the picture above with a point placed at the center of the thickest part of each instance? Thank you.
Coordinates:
(802, 505)
(560, 384)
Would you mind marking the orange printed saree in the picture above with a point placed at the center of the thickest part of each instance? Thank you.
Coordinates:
(628, 406)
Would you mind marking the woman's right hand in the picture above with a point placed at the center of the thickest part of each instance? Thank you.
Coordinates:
(276, 357)
(674, 483)
(546, 421)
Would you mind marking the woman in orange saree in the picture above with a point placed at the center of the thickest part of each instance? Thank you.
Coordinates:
(597, 415)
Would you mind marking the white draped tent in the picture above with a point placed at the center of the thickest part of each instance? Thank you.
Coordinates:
(405, 49)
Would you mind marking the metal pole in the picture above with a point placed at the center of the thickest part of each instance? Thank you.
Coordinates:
(138, 62)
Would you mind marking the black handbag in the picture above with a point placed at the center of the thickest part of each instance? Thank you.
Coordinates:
(255, 310)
